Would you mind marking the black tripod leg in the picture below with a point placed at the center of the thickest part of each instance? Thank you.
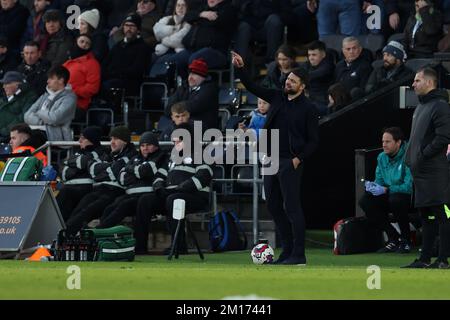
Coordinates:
(200, 253)
(174, 242)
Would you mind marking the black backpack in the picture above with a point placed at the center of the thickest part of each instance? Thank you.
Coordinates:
(355, 235)
(226, 232)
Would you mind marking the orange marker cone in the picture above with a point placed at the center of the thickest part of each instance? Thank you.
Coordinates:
(39, 253)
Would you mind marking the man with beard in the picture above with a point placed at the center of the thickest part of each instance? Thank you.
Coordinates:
(296, 119)
(392, 70)
(128, 59)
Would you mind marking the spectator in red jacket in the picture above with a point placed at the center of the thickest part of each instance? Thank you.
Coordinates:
(84, 74)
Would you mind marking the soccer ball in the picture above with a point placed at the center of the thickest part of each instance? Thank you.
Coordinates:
(262, 253)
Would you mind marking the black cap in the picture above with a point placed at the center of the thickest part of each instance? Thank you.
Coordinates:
(149, 138)
(122, 133)
(12, 76)
(93, 134)
(134, 18)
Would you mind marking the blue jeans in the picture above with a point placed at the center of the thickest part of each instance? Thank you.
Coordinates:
(271, 34)
(339, 15)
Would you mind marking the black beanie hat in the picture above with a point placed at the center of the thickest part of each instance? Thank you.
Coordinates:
(149, 138)
(122, 133)
(93, 134)
(135, 19)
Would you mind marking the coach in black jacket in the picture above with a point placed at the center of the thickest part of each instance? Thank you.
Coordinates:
(426, 157)
(296, 119)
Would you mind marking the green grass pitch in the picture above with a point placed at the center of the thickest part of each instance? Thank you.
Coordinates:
(223, 275)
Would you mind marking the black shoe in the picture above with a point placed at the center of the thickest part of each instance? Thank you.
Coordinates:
(439, 264)
(391, 246)
(283, 256)
(404, 247)
(417, 264)
(294, 261)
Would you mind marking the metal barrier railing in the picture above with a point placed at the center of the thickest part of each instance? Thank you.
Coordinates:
(255, 180)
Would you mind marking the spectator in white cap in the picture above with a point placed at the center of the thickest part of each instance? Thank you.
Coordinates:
(392, 70)
(88, 23)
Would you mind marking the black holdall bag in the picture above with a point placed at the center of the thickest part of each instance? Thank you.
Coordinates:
(355, 235)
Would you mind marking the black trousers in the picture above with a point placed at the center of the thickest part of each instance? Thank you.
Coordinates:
(69, 197)
(435, 221)
(283, 202)
(91, 207)
(152, 203)
(123, 206)
(377, 209)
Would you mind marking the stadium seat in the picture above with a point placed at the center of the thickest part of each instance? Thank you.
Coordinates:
(153, 97)
(397, 37)
(240, 171)
(103, 118)
(164, 72)
(229, 98)
(218, 173)
(248, 100)
(224, 116)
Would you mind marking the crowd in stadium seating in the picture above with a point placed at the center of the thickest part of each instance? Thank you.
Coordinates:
(116, 43)
(53, 73)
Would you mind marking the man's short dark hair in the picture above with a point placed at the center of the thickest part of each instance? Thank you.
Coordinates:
(318, 45)
(32, 44)
(429, 72)
(302, 74)
(395, 132)
(59, 72)
(179, 107)
(21, 128)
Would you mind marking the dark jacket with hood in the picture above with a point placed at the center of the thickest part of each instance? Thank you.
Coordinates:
(202, 102)
(140, 173)
(380, 77)
(216, 34)
(106, 173)
(426, 153)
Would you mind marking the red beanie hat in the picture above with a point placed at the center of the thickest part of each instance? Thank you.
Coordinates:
(199, 66)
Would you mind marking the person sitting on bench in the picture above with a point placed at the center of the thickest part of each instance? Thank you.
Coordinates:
(390, 192)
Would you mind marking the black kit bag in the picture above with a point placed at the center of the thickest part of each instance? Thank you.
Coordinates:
(355, 235)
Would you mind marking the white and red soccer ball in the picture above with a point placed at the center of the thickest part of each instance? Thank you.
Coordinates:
(262, 253)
